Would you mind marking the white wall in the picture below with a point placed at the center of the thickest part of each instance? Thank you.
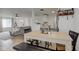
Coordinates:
(52, 21)
(26, 21)
(71, 24)
(0, 25)
(33, 25)
(76, 26)
(65, 24)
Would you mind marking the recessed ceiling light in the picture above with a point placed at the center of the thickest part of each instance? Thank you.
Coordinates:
(41, 9)
(46, 14)
(53, 11)
(17, 15)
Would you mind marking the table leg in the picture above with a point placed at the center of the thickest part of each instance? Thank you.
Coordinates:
(68, 46)
(25, 39)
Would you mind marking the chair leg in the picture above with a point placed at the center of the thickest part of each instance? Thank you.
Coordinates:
(36, 42)
(46, 44)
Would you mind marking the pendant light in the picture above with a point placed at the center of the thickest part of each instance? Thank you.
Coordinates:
(16, 15)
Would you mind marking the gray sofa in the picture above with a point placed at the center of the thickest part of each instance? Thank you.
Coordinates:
(20, 30)
(5, 35)
(5, 41)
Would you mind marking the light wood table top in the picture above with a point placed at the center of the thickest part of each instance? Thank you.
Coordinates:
(54, 37)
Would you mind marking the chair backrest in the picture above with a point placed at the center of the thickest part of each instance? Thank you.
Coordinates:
(74, 36)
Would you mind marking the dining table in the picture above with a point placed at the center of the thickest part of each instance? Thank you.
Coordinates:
(53, 37)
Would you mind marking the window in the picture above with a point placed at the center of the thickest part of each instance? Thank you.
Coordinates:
(6, 22)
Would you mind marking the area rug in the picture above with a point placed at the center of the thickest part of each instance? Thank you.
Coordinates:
(27, 47)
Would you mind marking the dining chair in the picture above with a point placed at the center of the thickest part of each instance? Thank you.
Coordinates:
(74, 36)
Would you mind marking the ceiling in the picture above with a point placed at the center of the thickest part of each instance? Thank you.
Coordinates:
(25, 11)
(13, 11)
(45, 11)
